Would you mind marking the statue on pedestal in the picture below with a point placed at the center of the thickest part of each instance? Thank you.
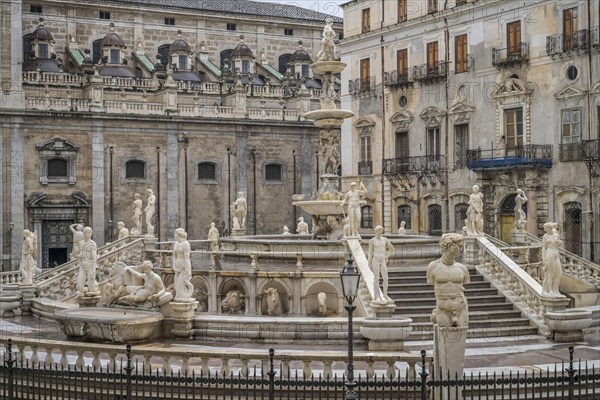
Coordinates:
(352, 198)
(28, 265)
(213, 238)
(153, 289)
(87, 263)
(136, 207)
(475, 213)
(239, 209)
(327, 52)
(77, 238)
(380, 250)
(123, 231)
(182, 266)
(520, 217)
(302, 227)
(402, 229)
(149, 210)
(551, 258)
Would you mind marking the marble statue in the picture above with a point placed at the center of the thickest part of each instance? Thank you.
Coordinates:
(448, 278)
(233, 302)
(77, 238)
(123, 231)
(402, 229)
(286, 230)
(28, 266)
(551, 258)
(475, 213)
(153, 290)
(302, 227)
(182, 267)
(352, 198)
(240, 207)
(273, 300)
(149, 210)
(213, 238)
(327, 52)
(322, 300)
(380, 250)
(136, 207)
(520, 217)
(87, 263)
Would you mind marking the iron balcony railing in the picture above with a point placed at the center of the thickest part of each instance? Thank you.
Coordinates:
(516, 54)
(561, 45)
(425, 72)
(591, 149)
(595, 38)
(395, 79)
(464, 65)
(571, 152)
(365, 167)
(530, 155)
(362, 87)
(402, 165)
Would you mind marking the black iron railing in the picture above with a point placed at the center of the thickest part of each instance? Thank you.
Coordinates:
(571, 152)
(595, 38)
(575, 43)
(362, 87)
(591, 149)
(414, 164)
(513, 157)
(516, 54)
(464, 65)
(365, 167)
(426, 72)
(395, 79)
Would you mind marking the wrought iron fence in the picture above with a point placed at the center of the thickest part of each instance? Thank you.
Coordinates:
(25, 379)
(362, 87)
(414, 164)
(530, 152)
(571, 152)
(575, 43)
(365, 167)
(395, 79)
(510, 55)
(429, 71)
(591, 149)
(595, 37)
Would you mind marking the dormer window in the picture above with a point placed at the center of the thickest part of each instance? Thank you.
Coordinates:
(245, 66)
(42, 50)
(183, 62)
(115, 56)
(305, 70)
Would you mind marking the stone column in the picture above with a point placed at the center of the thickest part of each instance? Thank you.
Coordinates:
(37, 226)
(16, 95)
(532, 212)
(172, 180)
(244, 162)
(96, 174)
(17, 189)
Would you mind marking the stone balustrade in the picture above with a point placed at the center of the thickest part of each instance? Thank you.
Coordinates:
(8, 277)
(52, 78)
(517, 285)
(220, 361)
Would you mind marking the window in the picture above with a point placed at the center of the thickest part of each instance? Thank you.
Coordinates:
(513, 38)
(404, 215)
(288, 32)
(366, 20)
(460, 215)
(513, 127)
(432, 6)
(402, 10)
(461, 144)
(135, 169)
(115, 56)
(163, 52)
(42, 50)
(104, 15)
(305, 70)
(169, 21)
(365, 71)
(432, 57)
(402, 149)
(572, 73)
(245, 66)
(273, 172)
(231, 27)
(57, 168)
(183, 62)
(571, 126)
(570, 25)
(433, 142)
(96, 51)
(207, 171)
(366, 217)
(434, 219)
(26, 46)
(365, 148)
(460, 54)
(284, 60)
(402, 64)
(35, 8)
(225, 55)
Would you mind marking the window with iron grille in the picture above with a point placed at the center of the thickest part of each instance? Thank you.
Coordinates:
(104, 15)
(434, 219)
(169, 21)
(460, 215)
(35, 8)
(273, 172)
(231, 27)
(207, 171)
(366, 217)
(404, 215)
(57, 168)
(288, 32)
(115, 56)
(135, 169)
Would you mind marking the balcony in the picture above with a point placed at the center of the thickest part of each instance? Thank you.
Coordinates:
(531, 156)
(571, 152)
(514, 55)
(595, 38)
(430, 72)
(398, 79)
(362, 87)
(591, 156)
(399, 171)
(464, 66)
(365, 167)
(568, 45)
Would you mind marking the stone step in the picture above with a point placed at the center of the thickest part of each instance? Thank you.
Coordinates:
(473, 315)
(492, 333)
(492, 323)
(426, 287)
(422, 279)
(426, 309)
(472, 300)
(398, 295)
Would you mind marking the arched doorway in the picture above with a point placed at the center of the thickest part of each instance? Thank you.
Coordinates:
(404, 214)
(572, 227)
(434, 219)
(507, 217)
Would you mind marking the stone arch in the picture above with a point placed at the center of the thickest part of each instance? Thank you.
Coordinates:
(404, 201)
(283, 290)
(231, 284)
(201, 293)
(311, 298)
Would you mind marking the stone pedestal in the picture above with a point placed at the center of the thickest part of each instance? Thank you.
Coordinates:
(449, 355)
(238, 232)
(568, 325)
(27, 294)
(183, 317)
(518, 236)
(385, 333)
(10, 300)
(471, 251)
(216, 261)
(88, 299)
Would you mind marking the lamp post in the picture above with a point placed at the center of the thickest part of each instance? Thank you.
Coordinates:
(350, 280)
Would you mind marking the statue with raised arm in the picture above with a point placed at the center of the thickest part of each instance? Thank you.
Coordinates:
(327, 52)
(153, 289)
(86, 279)
(77, 238)
(149, 210)
(240, 207)
(136, 207)
(182, 267)
(123, 231)
(352, 199)
(27, 266)
(213, 238)
(380, 250)
(475, 213)
(302, 227)
(551, 258)
(520, 217)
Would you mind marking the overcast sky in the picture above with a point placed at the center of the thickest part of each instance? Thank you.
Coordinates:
(324, 6)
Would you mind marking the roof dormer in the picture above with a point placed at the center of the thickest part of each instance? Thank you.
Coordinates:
(113, 48)
(242, 58)
(180, 54)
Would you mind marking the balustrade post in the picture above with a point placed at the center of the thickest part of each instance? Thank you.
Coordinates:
(424, 376)
(128, 370)
(571, 371)
(271, 374)
(9, 362)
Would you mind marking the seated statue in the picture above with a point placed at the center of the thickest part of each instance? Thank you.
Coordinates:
(151, 294)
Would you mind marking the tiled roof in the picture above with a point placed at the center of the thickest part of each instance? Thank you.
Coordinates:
(245, 7)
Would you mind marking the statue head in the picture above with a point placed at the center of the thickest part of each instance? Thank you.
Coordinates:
(137, 196)
(120, 225)
(26, 233)
(79, 227)
(475, 188)
(329, 21)
(240, 194)
(150, 191)
(212, 224)
(352, 185)
(378, 229)
(519, 191)
(550, 226)
(402, 224)
(146, 266)
(87, 232)
(301, 219)
(451, 242)
(180, 233)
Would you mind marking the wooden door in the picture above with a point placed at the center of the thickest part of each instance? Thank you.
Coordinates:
(432, 57)
(460, 53)
(569, 28)
(513, 37)
(402, 64)
(365, 71)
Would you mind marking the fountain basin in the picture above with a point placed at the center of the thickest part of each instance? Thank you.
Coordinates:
(321, 207)
(328, 118)
(328, 67)
(109, 325)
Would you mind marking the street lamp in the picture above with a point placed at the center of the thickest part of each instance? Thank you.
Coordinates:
(350, 280)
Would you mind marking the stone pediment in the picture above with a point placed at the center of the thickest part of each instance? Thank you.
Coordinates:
(595, 88)
(569, 92)
(461, 112)
(402, 120)
(364, 126)
(58, 144)
(432, 116)
(513, 87)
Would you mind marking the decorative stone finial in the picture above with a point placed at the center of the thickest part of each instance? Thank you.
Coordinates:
(241, 38)
(41, 22)
(179, 33)
(299, 44)
(112, 26)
